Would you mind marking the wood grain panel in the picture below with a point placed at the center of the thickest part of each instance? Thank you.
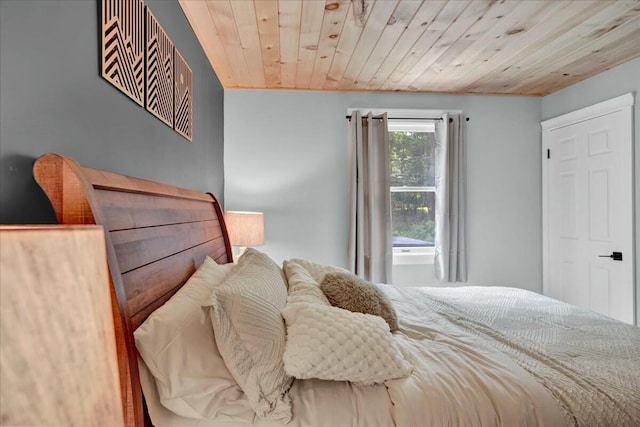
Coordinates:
(59, 363)
(159, 70)
(219, 255)
(145, 284)
(141, 246)
(129, 210)
(110, 181)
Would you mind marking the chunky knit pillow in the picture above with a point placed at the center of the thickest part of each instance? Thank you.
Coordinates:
(330, 343)
(351, 293)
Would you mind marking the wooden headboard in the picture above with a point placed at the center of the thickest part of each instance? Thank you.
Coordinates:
(156, 236)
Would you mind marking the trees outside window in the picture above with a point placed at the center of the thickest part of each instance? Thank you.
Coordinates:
(412, 185)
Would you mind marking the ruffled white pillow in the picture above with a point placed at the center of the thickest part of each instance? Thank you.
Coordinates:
(317, 271)
(330, 343)
(302, 287)
(250, 332)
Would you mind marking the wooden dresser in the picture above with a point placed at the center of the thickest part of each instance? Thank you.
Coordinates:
(57, 343)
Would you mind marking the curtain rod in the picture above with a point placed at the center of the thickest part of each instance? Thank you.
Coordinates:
(409, 118)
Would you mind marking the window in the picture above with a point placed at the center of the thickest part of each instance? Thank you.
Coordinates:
(412, 187)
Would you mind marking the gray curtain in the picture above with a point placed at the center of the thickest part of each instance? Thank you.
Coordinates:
(450, 240)
(369, 249)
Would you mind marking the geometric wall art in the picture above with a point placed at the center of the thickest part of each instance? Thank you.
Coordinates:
(140, 59)
(159, 70)
(183, 97)
(123, 46)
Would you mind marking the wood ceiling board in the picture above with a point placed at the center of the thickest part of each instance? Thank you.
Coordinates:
(269, 31)
(346, 44)
(525, 46)
(582, 66)
(427, 13)
(487, 39)
(244, 15)
(310, 26)
(335, 15)
(432, 34)
(376, 23)
(197, 14)
(469, 17)
(223, 20)
(445, 46)
(562, 46)
(289, 15)
(495, 53)
(396, 26)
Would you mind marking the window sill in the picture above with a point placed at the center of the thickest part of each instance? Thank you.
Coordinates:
(413, 258)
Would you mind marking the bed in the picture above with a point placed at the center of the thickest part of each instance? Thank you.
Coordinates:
(477, 355)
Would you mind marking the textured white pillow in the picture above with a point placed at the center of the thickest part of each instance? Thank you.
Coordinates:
(317, 271)
(330, 343)
(250, 332)
(302, 287)
(177, 344)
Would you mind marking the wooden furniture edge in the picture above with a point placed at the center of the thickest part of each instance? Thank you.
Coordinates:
(71, 188)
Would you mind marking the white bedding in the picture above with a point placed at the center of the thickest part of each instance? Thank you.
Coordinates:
(482, 356)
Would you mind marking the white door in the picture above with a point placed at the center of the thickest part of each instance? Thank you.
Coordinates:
(589, 212)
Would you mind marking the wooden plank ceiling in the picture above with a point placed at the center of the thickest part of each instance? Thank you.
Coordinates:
(514, 47)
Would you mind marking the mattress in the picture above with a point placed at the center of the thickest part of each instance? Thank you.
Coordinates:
(482, 356)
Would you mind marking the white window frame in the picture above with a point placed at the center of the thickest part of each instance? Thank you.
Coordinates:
(417, 254)
(415, 122)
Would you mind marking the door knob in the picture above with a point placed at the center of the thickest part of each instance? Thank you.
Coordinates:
(616, 256)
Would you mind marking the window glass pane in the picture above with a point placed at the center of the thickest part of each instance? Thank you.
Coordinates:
(412, 164)
(413, 218)
(412, 158)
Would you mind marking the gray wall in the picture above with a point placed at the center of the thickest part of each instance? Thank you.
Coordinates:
(53, 99)
(286, 155)
(622, 79)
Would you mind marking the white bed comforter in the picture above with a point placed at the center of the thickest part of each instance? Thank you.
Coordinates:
(586, 366)
(482, 356)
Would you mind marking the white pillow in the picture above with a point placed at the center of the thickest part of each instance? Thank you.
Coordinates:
(177, 344)
(330, 343)
(317, 271)
(250, 332)
(302, 287)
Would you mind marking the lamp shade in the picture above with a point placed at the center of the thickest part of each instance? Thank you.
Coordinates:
(245, 228)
